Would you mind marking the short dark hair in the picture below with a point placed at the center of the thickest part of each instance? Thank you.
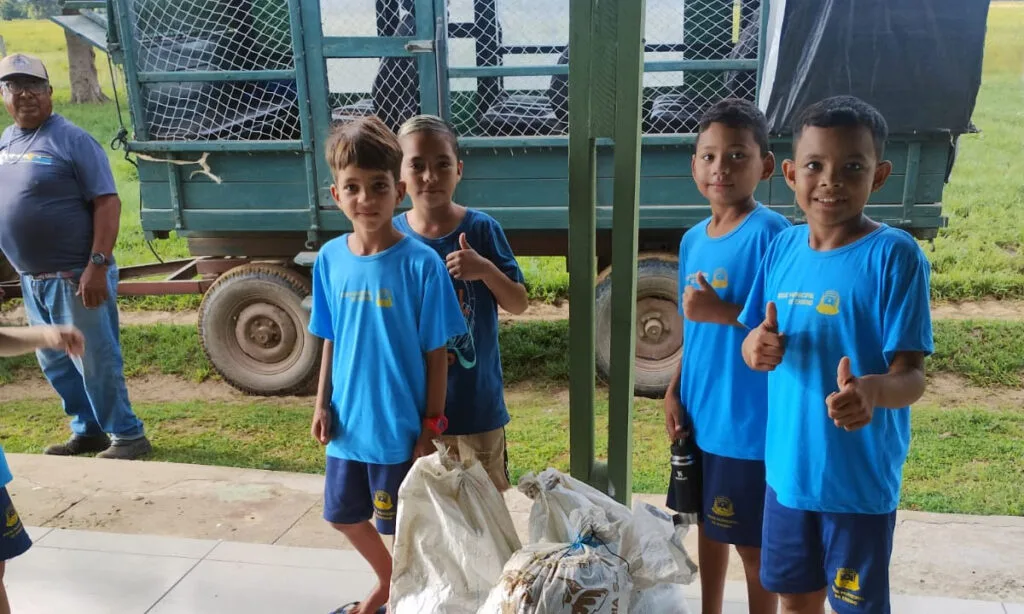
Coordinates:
(738, 113)
(844, 112)
(366, 143)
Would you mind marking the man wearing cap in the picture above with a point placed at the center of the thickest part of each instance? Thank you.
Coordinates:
(59, 219)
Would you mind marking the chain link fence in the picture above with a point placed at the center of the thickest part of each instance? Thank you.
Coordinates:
(536, 32)
(189, 36)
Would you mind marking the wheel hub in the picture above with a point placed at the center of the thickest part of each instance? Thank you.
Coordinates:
(265, 333)
(658, 328)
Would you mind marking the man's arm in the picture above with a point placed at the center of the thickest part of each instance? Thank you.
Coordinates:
(106, 223)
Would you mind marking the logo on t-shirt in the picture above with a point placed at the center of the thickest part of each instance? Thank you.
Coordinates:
(720, 279)
(7, 157)
(829, 303)
(382, 298)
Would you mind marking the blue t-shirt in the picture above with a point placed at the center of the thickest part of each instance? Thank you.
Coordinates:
(383, 313)
(45, 203)
(723, 396)
(5, 470)
(868, 301)
(476, 389)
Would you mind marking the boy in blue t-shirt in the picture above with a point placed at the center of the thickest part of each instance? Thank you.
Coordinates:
(14, 540)
(840, 317)
(485, 275)
(723, 398)
(384, 307)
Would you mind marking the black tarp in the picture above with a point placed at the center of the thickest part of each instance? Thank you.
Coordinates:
(917, 61)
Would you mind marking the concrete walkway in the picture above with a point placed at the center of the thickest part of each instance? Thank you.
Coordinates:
(165, 538)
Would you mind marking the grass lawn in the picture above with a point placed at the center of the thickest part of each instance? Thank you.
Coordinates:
(963, 459)
(980, 254)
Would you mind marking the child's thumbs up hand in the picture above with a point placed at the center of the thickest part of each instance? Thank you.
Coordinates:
(466, 264)
(702, 303)
(853, 405)
(764, 347)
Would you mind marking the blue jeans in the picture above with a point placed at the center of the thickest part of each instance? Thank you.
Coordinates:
(93, 387)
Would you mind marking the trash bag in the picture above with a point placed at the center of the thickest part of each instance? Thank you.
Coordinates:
(650, 540)
(567, 578)
(453, 538)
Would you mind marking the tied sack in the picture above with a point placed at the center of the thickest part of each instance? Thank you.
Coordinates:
(453, 538)
(582, 577)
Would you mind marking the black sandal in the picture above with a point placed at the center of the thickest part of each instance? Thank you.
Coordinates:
(347, 608)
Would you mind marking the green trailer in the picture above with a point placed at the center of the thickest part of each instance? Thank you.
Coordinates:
(230, 104)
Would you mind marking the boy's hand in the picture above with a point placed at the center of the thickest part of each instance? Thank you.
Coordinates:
(424, 445)
(702, 304)
(673, 418)
(321, 428)
(854, 405)
(763, 348)
(466, 264)
(66, 338)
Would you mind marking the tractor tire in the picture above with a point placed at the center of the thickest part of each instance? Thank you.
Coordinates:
(659, 326)
(254, 330)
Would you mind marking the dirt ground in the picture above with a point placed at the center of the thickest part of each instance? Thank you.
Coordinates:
(988, 309)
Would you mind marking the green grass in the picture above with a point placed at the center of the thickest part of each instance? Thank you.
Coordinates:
(980, 254)
(963, 460)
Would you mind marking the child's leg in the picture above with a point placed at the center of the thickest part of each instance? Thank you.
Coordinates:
(365, 539)
(348, 507)
(791, 555)
(761, 601)
(5, 605)
(713, 563)
(733, 492)
(858, 548)
(489, 450)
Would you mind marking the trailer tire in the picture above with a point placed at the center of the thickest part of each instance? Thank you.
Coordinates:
(254, 330)
(659, 344)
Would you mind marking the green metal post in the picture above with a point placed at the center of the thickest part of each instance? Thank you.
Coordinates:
(625, 228)
(582, 243)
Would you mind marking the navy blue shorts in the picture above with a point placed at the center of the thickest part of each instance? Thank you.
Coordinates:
(14, 540)
(804, 552)
(355, 492)
(734, 491)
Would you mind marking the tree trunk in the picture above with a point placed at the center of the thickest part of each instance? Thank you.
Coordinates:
(85, 83)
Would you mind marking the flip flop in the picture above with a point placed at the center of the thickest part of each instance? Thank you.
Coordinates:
(348, 608)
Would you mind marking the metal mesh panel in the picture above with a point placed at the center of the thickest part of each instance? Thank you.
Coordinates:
(697, 30)
(386, 87)
(536, 32)
(213, 36)
(515, 33)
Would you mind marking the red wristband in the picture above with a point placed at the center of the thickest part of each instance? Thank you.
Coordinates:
(438, 425)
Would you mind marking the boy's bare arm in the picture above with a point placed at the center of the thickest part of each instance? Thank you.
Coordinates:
(19, 340)
(468, 265)
(437, 389)
(321, 427)
(852, 407)
(704, 305)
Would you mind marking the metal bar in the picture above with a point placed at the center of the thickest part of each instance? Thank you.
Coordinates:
(305, 123)
(174, 184)
(910, 180)
(158, 288)
(318, 89)
(131, 76)
(157, 268)
(625, 233)
(761, 43)
(363, 46)
(582, 257)
(184, 273)
(426, 63)
(444, 86)
(541, 70)
(82, 5)
(204, 146)
(184, 76)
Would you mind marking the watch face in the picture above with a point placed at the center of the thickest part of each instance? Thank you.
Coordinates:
(99, 259)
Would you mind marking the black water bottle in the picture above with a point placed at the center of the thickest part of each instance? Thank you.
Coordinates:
(686, 484)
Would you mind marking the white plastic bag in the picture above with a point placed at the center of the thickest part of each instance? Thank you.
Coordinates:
(555, 496)
(454, 536)
(582, 576)
(646, 537)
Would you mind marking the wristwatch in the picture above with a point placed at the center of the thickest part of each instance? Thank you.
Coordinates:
(99, 259)
(438, 425)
